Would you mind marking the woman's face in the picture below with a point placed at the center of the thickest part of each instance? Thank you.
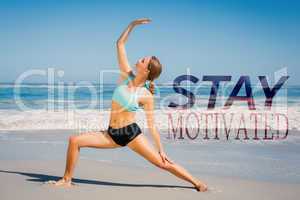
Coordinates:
(142, 65)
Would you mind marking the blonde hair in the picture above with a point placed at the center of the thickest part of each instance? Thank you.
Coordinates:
(155, 69)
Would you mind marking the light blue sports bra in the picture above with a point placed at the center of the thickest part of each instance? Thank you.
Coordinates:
(126, 98)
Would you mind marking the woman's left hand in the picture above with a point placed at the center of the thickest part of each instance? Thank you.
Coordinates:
(141, 21)
(164, 157)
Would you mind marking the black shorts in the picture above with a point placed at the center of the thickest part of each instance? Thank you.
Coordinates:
(122, 136)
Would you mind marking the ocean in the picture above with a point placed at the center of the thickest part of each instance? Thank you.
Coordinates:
(35, 106)
(95, 96)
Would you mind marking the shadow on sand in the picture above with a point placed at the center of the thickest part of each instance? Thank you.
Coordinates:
(35, 177)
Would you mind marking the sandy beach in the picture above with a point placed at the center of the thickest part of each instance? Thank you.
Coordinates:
(30, 158)
(95, 180)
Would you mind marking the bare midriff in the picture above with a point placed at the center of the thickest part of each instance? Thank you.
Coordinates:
(120, 117)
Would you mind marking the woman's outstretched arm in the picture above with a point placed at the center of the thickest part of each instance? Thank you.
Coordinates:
(149, 110)
(122, 57)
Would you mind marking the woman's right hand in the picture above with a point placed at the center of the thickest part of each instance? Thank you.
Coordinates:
(140, 21)
(165, 158)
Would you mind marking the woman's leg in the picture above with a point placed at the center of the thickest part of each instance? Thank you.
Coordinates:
(142, 147)
(93, 140)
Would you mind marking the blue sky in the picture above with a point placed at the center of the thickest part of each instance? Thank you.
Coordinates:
(209, 37)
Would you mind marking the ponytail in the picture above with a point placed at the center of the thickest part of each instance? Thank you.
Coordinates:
(151, 87)
(154, 68)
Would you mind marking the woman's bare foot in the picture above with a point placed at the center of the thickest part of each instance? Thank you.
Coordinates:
(201, 187)
(61, 182)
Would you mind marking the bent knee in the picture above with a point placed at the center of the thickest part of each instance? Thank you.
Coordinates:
(73, 139)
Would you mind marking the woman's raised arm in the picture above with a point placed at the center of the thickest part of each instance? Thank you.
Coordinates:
(122, 57)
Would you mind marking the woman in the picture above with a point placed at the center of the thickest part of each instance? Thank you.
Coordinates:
(132, 94)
